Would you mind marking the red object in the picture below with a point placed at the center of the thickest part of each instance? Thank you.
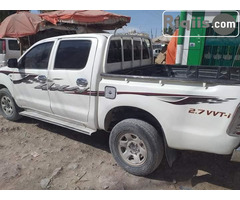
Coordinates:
(3, 46)
(172, 50)
(85, 17)
(20, 24)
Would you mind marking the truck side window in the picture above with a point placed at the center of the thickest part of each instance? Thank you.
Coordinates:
(72, 54)
(115, 52)
(38, 57)
(127, 50)
(137, 49)
(145, 50)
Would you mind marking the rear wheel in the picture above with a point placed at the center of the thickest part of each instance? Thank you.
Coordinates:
(8, 107)
(136, 146)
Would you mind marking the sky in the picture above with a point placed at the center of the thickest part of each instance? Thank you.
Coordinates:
(146, 21)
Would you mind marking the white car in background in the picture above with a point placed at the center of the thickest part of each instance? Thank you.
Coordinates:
(9, 48)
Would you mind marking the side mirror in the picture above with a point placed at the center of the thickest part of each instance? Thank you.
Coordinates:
(12, 63)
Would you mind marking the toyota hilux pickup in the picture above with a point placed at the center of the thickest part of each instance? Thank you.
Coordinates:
(109, 82)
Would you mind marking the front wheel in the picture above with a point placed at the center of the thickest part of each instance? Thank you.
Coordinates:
(136, 146)
(8, 107)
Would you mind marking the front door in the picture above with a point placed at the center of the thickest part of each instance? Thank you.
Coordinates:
(70, 78)
(33, 72)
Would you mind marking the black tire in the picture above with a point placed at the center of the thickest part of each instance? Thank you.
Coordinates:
(130, 157)
(12, 112)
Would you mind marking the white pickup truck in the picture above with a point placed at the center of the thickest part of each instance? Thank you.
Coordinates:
(93, 82)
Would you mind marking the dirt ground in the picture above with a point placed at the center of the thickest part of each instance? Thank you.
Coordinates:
(37, 155)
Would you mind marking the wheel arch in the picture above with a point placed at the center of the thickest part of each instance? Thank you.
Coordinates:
(120, 113)
(8, 88)
(117, 114)
(2, 86)
(6, 83)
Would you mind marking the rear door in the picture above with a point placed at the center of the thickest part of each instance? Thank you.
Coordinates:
(13, 49)
(70, 78)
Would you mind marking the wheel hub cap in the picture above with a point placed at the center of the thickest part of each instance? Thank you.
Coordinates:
(7, 106)
(132, 149)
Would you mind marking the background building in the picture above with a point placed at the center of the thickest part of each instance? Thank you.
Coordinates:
(210, 51)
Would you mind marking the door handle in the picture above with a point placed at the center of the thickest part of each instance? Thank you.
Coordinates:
(42, 78)
(82, 82)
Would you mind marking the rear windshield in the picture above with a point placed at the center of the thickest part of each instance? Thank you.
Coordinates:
(13, 45)
(137, 49)
(127, 50)
(115, 52)
(132, 50)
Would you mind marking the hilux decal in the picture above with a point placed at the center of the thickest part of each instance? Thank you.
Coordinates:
(179, 99)
(175, 99)
(24, 77)
(28, 79)
(198, 100)
(62, 88)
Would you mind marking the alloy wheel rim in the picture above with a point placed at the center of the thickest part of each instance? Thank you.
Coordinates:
(132, 149)
(7, 106)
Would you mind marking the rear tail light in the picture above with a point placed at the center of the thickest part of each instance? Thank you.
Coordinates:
(4, 46)
(234, 126)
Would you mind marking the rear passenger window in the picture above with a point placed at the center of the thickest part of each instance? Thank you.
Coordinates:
(13, 45)
(115, 52)
(72, 54)
(127, 50)
(137, 50)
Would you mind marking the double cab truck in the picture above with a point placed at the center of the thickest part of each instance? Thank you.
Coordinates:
(108, 82)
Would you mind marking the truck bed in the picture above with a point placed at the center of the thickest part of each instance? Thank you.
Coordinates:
(213, 74)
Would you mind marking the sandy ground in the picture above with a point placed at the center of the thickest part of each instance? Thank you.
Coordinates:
(37, 155)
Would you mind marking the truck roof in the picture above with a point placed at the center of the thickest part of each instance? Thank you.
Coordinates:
(98, 35)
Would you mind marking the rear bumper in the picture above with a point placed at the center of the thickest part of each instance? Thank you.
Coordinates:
(236, 155)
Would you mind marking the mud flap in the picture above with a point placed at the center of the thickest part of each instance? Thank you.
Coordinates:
(236, 155)
(171, 154)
